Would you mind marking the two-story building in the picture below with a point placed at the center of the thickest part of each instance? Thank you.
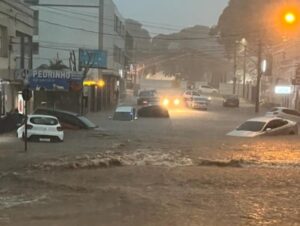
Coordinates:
(16, 31)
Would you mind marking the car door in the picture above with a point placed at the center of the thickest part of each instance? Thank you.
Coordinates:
(277, 127)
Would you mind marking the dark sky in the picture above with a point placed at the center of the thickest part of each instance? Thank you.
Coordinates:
(168, 15)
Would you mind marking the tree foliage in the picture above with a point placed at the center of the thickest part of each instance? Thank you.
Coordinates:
(142, 39)
(249, 19)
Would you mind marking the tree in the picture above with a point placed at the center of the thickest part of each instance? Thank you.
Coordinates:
(55, 64)
(142, 39)
(250, 19)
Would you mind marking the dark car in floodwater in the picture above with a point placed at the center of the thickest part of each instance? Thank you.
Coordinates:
(10, 122)
(68, 120)
(154, 111)
(147, 97)
(231, 101)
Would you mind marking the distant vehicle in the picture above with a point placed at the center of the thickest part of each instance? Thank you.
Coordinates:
(207, 89)
(171, 101)
(285, 113)
(42, 128)
(154, 111)
(68, 120)
(198, 102)
(262, 126)
(125, 113)
(188, 94)
(147, 97)
(231, 101)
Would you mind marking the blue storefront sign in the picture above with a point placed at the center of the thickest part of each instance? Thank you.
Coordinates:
(50, 80)
(92, 58)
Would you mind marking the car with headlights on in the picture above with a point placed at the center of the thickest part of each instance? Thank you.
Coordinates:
(42, 128)
(265, 126)
(147, 97)
(171, 101)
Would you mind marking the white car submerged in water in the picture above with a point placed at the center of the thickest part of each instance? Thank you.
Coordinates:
(265, 126)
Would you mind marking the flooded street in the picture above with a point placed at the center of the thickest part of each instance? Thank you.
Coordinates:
(178, 171)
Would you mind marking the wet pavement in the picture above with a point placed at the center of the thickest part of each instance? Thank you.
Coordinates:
(178, 171)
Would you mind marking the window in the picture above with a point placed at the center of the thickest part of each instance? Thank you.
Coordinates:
(32, 2)
(274, 124)
(291, 112)
(35, 48)
(36, 22)
(3, 42)
(116, 23)
(118, 55)
(44, 121)
(252, 126)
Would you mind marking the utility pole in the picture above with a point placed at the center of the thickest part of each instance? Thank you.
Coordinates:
(234, 68)
(101, 23)
(259, 74)
(100, 46)
(244, 71)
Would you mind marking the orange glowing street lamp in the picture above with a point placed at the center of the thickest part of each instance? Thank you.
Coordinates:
(290, 18)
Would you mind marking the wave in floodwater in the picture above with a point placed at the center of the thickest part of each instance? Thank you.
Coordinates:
(241, 163)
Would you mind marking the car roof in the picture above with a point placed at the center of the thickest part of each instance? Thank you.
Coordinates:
(124, 109)
(280, 108)
(57, 110)
(262, 119)
(42, 116)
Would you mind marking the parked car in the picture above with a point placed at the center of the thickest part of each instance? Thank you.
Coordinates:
(269, 126)
(154, 111)
(208, 89)
(10, 122)
(285, 113)
(42, 128)
(198, 102)
(231, 101)
(125, 113)
(147, 97)
(68, 120)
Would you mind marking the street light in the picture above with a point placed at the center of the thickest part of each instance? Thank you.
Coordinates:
(290, 18)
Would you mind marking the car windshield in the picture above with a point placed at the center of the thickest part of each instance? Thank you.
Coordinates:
(200, 99)
(147, 94)
(123, 116)
(44, 121)
(274, 110)
(252, 126)
(87, 122)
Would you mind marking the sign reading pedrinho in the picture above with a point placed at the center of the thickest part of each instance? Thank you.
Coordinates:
(51, 80)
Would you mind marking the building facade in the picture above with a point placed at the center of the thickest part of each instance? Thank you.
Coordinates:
(16, 31)
(285, 64)
(62, 31)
